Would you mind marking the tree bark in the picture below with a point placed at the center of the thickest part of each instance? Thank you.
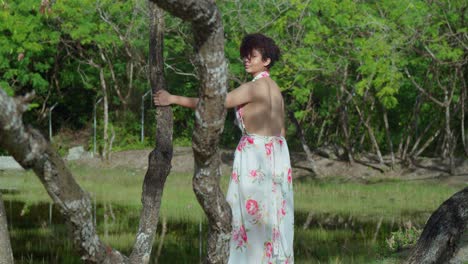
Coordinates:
(6, 254)
(209, 118)
(463, 99)
(105, 103)
(300, 134)
(441, 236)
(32, 151)
(389, 138)
(159, 162)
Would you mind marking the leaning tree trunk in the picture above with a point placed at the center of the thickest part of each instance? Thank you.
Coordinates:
(305, 147)
(32, 151)
(209, 117)
(441, 236)
(6, 255)
(159, 162)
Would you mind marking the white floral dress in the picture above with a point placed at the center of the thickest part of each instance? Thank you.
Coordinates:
(261, 198)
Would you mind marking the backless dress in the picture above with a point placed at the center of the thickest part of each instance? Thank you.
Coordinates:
(260, 194)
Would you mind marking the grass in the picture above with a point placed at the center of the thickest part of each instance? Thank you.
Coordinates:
(366, 204)
(390, 200)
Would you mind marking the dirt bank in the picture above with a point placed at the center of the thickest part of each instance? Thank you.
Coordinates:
(365, 169)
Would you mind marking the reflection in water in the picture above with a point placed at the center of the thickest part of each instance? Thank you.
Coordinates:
(39, 235)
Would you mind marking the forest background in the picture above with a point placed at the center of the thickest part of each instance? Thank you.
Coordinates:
(383, 79)
(387, 77)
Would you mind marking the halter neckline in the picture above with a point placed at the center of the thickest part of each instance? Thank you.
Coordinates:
(261, 75)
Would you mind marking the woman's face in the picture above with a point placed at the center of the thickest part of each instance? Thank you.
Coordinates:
(254, 63)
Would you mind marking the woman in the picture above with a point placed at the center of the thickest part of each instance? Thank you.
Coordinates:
(260, 191)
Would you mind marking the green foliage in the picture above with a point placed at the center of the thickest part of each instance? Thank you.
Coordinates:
(57, 52)
(403, 238)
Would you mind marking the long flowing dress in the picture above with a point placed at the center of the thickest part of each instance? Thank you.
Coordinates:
(260, 194)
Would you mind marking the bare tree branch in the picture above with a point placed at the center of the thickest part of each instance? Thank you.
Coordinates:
(422, 90)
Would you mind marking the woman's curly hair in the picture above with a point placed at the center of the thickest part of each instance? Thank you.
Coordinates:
(265, 45)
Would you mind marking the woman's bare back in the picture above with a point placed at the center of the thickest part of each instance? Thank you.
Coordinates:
(265, 116)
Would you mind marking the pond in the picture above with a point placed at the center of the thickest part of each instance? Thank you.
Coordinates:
(350, 221)
(39, 235)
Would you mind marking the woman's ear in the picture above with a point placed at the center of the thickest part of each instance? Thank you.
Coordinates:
(266, 62)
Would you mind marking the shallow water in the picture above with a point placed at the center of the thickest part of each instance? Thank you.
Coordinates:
(39, 235)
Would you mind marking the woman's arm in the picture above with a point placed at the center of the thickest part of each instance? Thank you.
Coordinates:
(163, 98)
(241, 95)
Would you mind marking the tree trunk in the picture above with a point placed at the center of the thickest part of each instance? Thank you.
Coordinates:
(6, 255)
(344, 117)
(412, 128)
(159, 162)
(389, 138)
(300, 134)
(441, 236)
(370, 131)
(448, 132)
(428, 142)
(464, 134)
(105, 103)
(32, 151)
(463, 99)
(209, 118)
(420, 137)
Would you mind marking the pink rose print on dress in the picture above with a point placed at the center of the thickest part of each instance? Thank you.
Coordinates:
(251, 206)
(280, 141)
(276, 234)
(256, 175)
(268, 249)
(253, 173)
(282, 210)
(289, 176)
(234, 176)
(273, 188)
(253, 209)
(240, 237)
(268, 148)
(243, 142)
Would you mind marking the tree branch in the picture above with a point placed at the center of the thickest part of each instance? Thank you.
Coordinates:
(159, 160)
(31, 150)
(209, 117)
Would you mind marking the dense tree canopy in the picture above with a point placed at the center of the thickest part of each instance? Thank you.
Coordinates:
(386, 77)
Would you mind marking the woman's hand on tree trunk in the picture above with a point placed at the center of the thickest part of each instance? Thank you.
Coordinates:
(162, 98)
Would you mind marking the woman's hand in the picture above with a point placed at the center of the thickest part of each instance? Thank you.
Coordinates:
(162, 98)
